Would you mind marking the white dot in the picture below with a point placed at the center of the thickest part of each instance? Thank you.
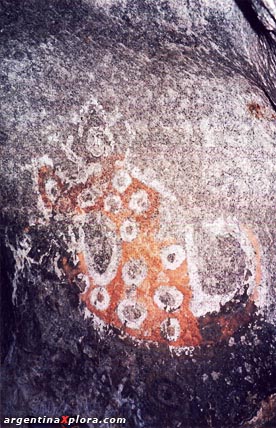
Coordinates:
(168, 298)
(129, 230)
(139, 202)
(132, 314)
(121, 181)
(113, 204)
(100, 298)
(172, 256)
(170, 329)
(134, 272)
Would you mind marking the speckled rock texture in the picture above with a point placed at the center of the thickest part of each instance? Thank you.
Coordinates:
(138, 206)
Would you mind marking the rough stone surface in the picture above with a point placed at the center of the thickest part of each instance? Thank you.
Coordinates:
(138, 238)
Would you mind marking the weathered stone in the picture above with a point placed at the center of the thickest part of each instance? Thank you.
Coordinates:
(138, 210)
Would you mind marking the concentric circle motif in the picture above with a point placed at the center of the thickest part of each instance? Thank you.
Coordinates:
(168, 298)
(131, 314)
(150, 289)
(99, 298)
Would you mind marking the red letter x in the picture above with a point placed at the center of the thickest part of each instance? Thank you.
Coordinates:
(64, 420)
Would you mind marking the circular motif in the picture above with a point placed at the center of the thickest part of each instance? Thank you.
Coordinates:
(139, 202)
(112, 204)
(129, 230)
(172, 256)
(121, 181)
(148, 279)
(134, 272)
(168, 298)
(131, 314)
(88, 197)
(100, 298)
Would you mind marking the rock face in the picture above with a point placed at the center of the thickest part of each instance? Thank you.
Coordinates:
(138, 211)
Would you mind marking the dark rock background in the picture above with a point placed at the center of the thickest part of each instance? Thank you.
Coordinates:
(153, 67)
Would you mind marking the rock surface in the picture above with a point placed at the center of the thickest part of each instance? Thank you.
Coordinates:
(138, 210)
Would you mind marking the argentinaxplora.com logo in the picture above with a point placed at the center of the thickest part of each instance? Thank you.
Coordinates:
(64, 421)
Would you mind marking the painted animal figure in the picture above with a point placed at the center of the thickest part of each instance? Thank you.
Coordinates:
(135, 282)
